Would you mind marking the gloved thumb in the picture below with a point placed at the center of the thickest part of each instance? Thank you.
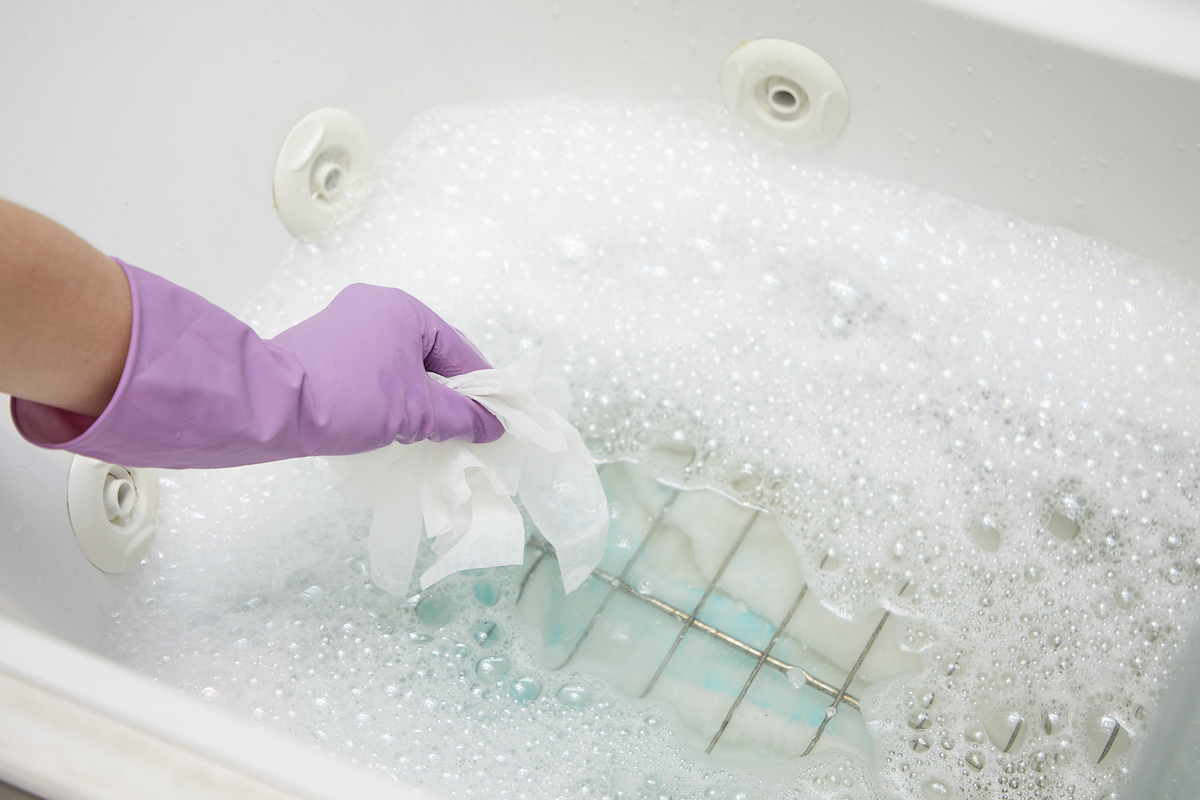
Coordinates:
(459, 417)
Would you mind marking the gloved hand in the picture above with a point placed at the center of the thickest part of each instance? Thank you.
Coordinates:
(201, 389)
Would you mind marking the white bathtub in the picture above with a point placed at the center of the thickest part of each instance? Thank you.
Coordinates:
(153, 131)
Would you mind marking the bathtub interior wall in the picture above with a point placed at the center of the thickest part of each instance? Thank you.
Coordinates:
(152, 130)
(120, 108)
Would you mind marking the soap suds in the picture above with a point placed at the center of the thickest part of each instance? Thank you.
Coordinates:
(997, 413)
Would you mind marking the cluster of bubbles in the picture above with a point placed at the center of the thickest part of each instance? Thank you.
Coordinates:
(983, 425)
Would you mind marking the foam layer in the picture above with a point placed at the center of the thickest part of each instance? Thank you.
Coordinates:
(997, 414)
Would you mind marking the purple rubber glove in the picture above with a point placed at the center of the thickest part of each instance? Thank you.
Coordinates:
(201, 389)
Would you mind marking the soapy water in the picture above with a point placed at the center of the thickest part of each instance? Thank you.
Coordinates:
(995, 414)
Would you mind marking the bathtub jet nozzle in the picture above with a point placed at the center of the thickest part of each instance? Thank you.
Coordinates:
(113, 511)
(787, 90)
(322, 160)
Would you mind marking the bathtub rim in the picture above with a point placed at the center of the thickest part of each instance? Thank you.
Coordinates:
(154, 736)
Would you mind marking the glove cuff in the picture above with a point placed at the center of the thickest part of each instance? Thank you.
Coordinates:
(58, 429)
(188, 382)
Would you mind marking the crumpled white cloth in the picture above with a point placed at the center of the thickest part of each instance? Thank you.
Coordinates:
(462, 493)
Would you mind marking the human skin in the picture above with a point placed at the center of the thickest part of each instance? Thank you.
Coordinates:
(65, 315)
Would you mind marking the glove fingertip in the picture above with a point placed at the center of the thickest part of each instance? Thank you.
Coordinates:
(453, 354)
(487, 427)
(456, 416)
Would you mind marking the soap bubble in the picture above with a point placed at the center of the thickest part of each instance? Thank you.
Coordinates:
(526, 689)
(493, 668)
(574, 695)
(487, 634)
(435, 611)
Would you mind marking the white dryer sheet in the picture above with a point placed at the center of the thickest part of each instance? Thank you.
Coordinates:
(461, 494)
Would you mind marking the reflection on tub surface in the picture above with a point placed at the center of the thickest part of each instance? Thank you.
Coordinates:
(981, 426)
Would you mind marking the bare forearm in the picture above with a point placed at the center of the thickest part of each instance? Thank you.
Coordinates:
(65, 315)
